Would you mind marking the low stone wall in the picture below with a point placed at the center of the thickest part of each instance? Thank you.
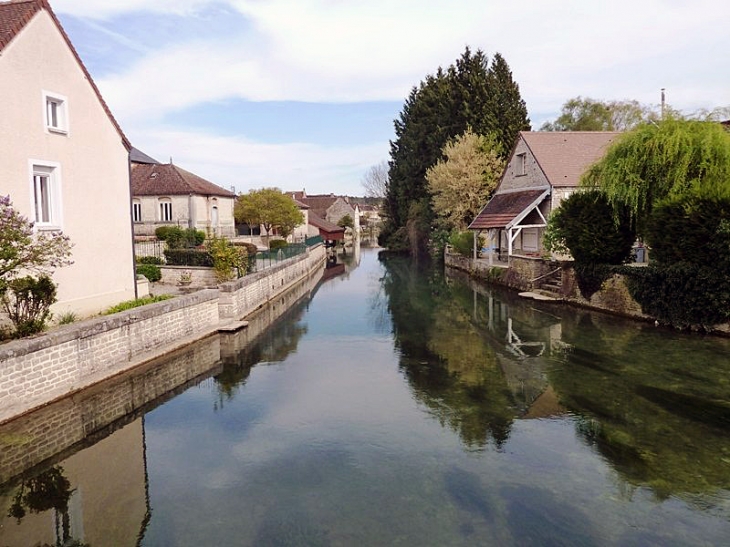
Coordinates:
(243, 296)
(38, 370)
(200, 277)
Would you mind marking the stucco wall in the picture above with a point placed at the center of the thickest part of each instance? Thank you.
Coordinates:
(90, 161)
(512, 179)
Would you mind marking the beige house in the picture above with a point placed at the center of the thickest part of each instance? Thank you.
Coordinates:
(544, 168)
(64, 160)
(328, 207)
(167, 195)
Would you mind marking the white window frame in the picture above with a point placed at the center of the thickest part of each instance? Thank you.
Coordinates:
(50, 172)
(55, 105)
(136, 210)
(164, 208)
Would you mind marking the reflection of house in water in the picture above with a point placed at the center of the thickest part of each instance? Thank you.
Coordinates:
(105, 503)
(527, 337)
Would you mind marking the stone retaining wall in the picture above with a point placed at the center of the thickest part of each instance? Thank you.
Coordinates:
(38, 370)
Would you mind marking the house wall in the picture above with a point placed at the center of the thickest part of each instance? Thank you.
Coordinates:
(187, 212)
(512, 179)
(339, 209)
(90, 161)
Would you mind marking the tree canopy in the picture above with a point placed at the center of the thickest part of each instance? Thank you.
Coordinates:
(375, 180)
(463, 182)
(662, 160)
(270, 208)
(586, 114)
(470, 93)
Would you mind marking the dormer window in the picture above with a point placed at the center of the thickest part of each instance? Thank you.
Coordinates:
(56, 112)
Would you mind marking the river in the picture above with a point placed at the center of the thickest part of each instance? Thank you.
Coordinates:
(394, 404)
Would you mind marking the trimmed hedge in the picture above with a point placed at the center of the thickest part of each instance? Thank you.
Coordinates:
(151, 271)
(188, 257)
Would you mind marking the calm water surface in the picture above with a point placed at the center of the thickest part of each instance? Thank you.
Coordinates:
(397, 406)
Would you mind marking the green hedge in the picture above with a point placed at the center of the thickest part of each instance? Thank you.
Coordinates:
(151, 271)
(188, 257)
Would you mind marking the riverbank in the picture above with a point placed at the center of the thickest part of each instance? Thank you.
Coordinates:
(39, 370)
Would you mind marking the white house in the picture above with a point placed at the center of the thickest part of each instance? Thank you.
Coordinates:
(64, 160)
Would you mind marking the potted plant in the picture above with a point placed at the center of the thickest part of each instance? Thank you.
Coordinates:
(186, 278)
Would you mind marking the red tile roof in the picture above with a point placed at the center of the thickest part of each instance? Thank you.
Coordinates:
(565, 155)
(170, 180)
(503, 208)
(327, 229)
(15, 15)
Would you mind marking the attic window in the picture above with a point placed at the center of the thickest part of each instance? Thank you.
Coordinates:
(153, 176)
(520, 164)
(55, 112)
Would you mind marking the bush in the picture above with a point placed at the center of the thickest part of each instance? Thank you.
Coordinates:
(178, 238)
(276, 244)
(584, 224)
(150, 260)
(151, 271)
(251, 249)
(188, 257)
(130, 304)
(463, 243)
(226, 258)
(27, 301)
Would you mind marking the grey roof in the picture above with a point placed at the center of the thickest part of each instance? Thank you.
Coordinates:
(137, 156)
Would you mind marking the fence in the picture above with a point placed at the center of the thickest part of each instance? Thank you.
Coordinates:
(150, 248)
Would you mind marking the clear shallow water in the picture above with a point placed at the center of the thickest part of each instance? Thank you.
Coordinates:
(400, 407)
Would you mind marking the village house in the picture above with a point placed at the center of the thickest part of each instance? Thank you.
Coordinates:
(64, 160)
(329, 208)
(164, 194)
(544, 168)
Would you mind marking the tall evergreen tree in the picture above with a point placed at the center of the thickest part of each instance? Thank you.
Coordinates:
(505, 105)
(441, 107)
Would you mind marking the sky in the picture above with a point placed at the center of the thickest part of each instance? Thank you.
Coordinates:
(302, 94)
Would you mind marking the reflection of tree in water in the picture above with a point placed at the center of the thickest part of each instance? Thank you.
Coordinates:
(274, 345)
(46, 491)
(655, 406)
(449, 365)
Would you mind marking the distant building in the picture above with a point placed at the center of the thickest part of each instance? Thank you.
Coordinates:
(168, 195)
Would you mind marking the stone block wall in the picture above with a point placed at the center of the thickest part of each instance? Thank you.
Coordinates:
(37, 370)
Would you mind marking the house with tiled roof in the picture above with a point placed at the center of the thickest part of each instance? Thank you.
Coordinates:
(329, 207)
(544, 168)
(168, 195)
(64, 159)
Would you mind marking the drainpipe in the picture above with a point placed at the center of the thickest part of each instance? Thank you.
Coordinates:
(131, 223)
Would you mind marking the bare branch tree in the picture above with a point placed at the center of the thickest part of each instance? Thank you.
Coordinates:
(375, 180)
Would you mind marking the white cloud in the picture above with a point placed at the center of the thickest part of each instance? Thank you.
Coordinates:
(105, 9)
(245, 165)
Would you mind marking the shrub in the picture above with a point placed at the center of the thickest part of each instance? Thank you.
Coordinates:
(227, 258)
(151, 271)
(163, 232)
(188, 257)
(130, 304)
(150, 260)
(584, 224)
(178, 238)
(251, 249)
(276, 244)
(27, 301)
(463, 243)
(67, 318)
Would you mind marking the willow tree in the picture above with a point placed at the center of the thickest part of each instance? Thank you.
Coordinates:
(658, 161)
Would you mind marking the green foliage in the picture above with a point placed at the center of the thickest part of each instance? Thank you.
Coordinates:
(151, 271)
(591, 276)
(270, 208)
(585, 225)
(27, 301)
(346, 222)
(691, 228)
(130, 304)
(251, 249)
(463, 182)
(586, 114)
(441, 107)
(150, 260)
(188, 257)
(179, 238)
(275, 244)
(683, 295)
(463, 243)
(23, 251)
(67, 318)
(227, 258)
(659, 161)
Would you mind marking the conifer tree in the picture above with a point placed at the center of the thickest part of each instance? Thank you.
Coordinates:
(507, 109)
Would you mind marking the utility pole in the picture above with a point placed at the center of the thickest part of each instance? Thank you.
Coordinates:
(663, 103)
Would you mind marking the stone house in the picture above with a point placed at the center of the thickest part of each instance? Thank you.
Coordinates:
(329, 207)
(164, 194)
(544, 168)
(64, 159)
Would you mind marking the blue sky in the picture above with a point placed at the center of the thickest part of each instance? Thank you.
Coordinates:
(303, 93)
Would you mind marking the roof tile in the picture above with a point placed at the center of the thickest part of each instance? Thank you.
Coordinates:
(171, 180)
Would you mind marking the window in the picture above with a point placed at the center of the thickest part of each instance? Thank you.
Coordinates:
(56, 112)
(165, 210)
(136, 211)
(520, 164)
(46, 195)
(214, 213)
